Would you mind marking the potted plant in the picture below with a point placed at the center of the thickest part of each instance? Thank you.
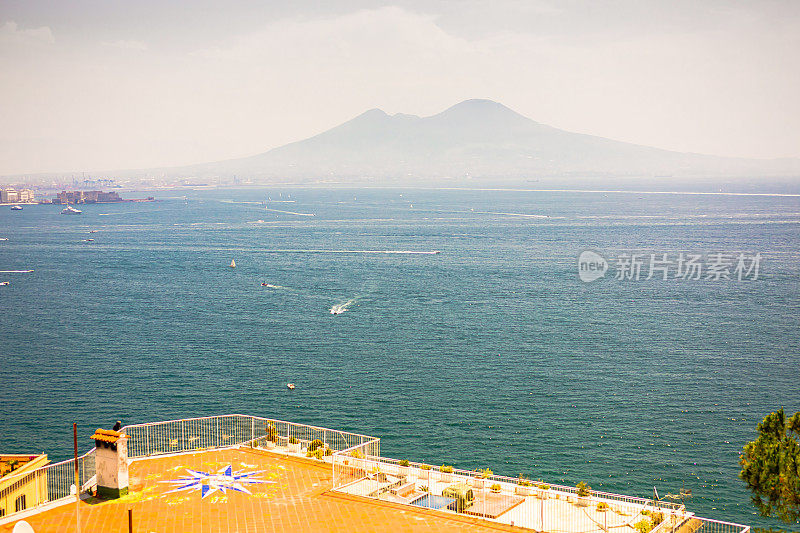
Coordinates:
(584, 493)
(495, 488)
(404, 468)
(656, 517)
(544, 491)
(602, 507)
(524, 487)
(314, 444)
(294, 445)
(643, 526)
(483, 475)
(272, 436)
(446, 473)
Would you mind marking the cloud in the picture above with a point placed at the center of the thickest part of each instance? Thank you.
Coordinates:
(127, 45)
(10, 33)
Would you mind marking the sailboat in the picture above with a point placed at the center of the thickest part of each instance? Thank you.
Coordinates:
(233, 263)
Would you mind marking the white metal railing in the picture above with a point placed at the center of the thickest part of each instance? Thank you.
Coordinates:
(530, 504)
(707, 525)
(193, 434)
(46, 484)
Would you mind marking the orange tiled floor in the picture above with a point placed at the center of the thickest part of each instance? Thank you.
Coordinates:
(297, 500)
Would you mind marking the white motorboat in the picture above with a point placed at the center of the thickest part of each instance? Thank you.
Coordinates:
(69, 210)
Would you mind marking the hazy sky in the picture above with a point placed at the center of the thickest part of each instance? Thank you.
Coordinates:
(106, 84)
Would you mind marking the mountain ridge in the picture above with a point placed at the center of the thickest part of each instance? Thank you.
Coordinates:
(476, 138)
(473, 141)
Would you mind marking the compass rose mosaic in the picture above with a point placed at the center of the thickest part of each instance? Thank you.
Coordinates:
(223, 480)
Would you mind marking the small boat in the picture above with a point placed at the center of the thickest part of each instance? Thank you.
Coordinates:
(69, 210)
(3, 239)
(4, 283)
(16, 208)
(290, 386)
(93, 231)
(88, 240)
(233, 263)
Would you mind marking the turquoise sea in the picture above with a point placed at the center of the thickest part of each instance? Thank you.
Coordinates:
(492, 353)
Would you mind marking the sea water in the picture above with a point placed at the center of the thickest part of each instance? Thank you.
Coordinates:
(492, 353)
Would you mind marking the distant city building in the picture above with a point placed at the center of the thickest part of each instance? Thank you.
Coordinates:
(13, 196)
(86, 197)
(9, 196)
(26, 196)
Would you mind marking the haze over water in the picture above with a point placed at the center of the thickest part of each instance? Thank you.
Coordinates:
(490, 354)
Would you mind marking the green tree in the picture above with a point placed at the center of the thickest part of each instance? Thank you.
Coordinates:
(771, 467)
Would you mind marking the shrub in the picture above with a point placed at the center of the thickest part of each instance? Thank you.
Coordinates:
(425, 467)
(317, 454)
(328, 451)
(424, 488)
(357, 454)
(657, 518)
(293, 440)
(404, 462)
(446, 469)
(495, 487)
(316, 443)
(643, 526)
(544, 486)
(485, 473)
(584, 490)
(526, 483)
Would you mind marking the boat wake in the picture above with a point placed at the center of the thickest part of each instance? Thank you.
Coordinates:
(338, 309)
(524, 215)
(15, 271)
(290, 212)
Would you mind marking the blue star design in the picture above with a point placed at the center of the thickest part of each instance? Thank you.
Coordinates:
(223, 480)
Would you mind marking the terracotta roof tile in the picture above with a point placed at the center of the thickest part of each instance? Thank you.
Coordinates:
(107, 435)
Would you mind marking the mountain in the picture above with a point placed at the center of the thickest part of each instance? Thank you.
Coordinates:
(473, 139)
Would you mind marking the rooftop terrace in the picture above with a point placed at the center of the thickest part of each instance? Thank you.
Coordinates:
(240, 473)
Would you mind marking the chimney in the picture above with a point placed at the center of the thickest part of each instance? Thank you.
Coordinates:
(111, 460)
